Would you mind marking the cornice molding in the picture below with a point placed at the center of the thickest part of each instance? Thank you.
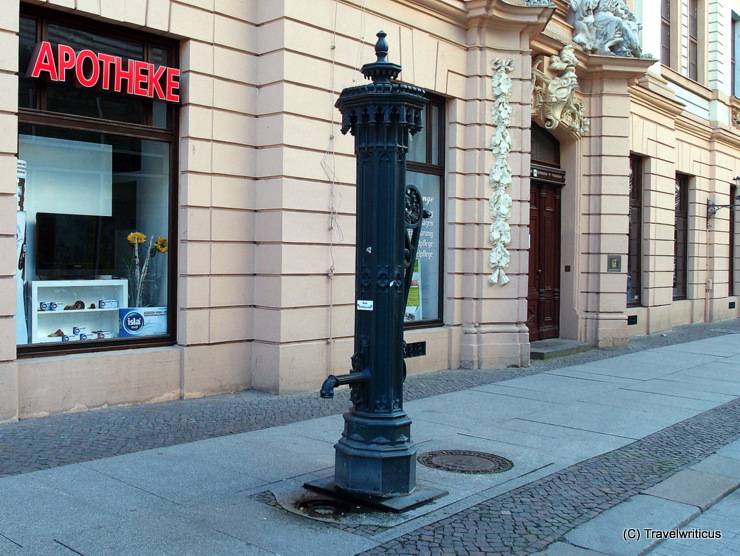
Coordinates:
(625, 67)
(469, 12)
(509, 15)
(725, 136)
(455, 10)
(650, 91)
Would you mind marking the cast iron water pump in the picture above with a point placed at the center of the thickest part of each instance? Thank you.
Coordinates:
(375, 456)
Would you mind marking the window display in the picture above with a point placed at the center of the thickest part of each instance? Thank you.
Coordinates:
(97, 184)
(425, 170)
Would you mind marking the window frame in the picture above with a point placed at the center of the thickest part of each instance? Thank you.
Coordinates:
(693, 32)
(38, 115)
(681, 237)
(438, 169)
(731, 240)
(634, 243)
(666, 34)
(734, 30)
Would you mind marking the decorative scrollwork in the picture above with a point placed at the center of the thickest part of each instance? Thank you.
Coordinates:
(555, 97)
(414, 207)
(359, 362)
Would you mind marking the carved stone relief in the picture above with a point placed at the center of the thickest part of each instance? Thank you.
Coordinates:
(555, 96)
(500, 175)
(605, 27)
(735, 117)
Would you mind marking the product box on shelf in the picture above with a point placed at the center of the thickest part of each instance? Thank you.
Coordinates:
(108, 304)
(142, 321)
(51, 306)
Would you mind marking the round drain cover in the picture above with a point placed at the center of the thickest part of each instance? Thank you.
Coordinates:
(465, 461)
(324, 508)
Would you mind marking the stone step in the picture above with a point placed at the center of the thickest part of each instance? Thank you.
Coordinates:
(556, 347)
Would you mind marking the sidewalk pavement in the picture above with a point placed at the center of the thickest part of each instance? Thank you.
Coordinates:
(609, 456)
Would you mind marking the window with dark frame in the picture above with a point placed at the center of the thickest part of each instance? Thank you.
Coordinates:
(634, 249)
(665, 32)
(733, 218)
(693, 37)
(105, 157)
(681, 237)
(425, 168)
(733, 54)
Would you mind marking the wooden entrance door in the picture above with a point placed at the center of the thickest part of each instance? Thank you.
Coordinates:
(543, 298)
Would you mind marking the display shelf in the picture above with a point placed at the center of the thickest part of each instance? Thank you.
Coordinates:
(44, 323)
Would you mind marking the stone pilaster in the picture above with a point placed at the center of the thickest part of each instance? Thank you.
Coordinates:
(605, 203)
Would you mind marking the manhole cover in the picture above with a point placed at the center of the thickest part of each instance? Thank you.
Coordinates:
(465, 461)
(324, 508)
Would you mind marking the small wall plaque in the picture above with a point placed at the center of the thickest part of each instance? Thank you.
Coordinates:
(614, 263)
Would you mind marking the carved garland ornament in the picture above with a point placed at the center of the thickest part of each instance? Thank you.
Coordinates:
(500, 176)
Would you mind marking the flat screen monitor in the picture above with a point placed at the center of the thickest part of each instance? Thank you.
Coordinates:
(74, 246)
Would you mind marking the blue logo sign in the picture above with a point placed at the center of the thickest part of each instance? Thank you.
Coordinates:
(133, 322)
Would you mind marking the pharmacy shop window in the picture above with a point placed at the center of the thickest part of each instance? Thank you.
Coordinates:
(96, 189)
(425, 169)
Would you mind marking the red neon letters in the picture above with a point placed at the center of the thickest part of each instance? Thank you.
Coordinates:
(105, 72)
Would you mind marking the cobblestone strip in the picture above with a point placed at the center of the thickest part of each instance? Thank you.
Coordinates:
(35, 444)
(533, 516)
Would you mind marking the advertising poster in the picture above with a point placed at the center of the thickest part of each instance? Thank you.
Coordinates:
(20, 256)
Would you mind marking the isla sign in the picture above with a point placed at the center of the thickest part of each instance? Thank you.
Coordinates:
(105, 72)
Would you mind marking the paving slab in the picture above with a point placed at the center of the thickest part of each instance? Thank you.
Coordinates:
(506, 389)
(719, 464)
(721, 348)
(683, 390)
(619, 421)
(586, 372)
(694, 487)
(621, 530)
(156, 534)
(254, 453)
(326, 429)
(471, 410)
(725, 387)
(722, 373)
(637, 399)
(565, 549)
(33, 512)
(563, 388)
(719, 526)
(731, 450)
(45, 547)
(567, 445)
(168, 474)
(97, 490)
(272, 528)
(648, 364)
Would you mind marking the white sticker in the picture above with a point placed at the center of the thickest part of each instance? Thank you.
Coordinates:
(364, 305)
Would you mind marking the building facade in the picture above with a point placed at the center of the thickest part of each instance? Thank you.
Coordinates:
(177, 202)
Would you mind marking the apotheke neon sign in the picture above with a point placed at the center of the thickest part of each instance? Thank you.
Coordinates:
(105, 71)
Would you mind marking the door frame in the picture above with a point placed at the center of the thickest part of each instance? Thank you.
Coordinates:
(554, 178)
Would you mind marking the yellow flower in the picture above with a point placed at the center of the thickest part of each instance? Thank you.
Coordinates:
(136, 237)
(162, 245)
